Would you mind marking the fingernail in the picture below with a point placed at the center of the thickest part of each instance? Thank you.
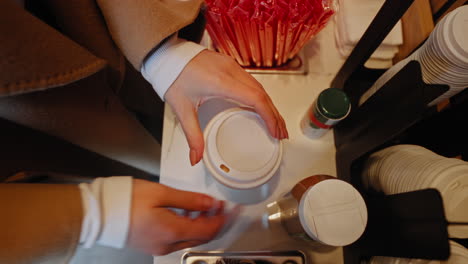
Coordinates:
(208, 202)
(193, 157)
(214, 208)
(219, 205)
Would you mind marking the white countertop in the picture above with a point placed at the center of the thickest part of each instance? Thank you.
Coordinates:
(303, 157)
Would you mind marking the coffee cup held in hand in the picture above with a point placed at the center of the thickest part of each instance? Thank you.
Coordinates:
(239, 151)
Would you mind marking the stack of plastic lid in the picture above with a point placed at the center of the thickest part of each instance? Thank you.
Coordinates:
(352, 20)
(458, 255)
(443, 57)
(405, 168)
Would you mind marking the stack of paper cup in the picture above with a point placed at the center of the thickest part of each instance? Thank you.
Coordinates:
(458, 255)
(443, 58)
(405, 168)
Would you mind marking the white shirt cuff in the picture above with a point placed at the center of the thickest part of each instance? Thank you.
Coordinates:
(163, 67)
(107, 208)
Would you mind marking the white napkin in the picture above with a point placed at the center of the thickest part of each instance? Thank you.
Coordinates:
(352, 21)
(356, 16)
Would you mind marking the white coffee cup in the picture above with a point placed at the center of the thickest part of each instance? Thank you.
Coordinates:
(239, 151)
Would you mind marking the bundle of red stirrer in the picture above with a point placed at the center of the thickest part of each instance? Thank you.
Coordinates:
(265, 33)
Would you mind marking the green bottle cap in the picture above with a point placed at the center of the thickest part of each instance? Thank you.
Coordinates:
(333, 103)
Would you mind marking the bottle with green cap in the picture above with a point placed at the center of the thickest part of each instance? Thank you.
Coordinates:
(331, 106)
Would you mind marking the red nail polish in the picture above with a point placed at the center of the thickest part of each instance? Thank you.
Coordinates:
(193, 157)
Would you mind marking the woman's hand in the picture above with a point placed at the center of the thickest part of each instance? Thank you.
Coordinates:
(157, 230)
(209, 75)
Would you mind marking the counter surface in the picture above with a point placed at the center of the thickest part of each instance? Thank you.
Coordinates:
(302, 157)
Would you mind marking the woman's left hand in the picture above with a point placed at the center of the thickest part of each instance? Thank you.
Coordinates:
(209, 75)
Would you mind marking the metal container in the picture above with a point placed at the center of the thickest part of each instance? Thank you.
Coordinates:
(331, 106)
(320, 208)
(241, 257)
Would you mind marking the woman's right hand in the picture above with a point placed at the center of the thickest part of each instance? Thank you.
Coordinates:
(157, 230)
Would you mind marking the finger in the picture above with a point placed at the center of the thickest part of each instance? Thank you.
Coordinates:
(203, 214)
(267, 113)
(278, 118)
(250, 81)
(233, 215)
(180, 228)
(286, 133)
(185, 244)
(201, 228)
(188, 118)
(256, 99)
(190, 201)
(282, 123)
(245, 77)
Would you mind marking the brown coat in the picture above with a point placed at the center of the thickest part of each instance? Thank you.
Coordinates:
(41, 223)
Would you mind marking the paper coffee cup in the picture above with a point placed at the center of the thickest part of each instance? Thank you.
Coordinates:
(239, 151)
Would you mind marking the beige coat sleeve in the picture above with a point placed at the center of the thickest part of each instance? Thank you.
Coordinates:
(139, 26)
(34, 56)
(39, 223)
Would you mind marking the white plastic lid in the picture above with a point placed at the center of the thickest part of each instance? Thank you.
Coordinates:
(239, 151)
(333, 213)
